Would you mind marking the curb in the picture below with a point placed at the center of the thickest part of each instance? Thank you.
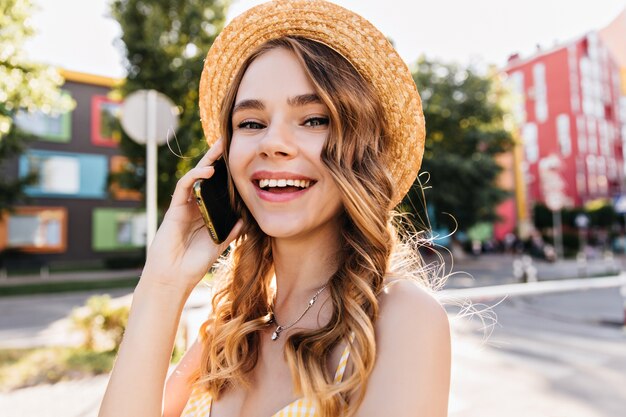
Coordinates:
(532, 288)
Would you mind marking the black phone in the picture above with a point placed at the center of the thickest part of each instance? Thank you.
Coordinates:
(214, 202)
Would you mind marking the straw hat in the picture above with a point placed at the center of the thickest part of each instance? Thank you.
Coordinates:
(349, 34)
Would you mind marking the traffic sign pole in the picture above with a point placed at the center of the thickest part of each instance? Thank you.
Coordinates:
(151, 167)
(150, 118)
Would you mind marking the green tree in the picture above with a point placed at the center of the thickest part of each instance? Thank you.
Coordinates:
(465, 130)
(24, 86)
(165, 42)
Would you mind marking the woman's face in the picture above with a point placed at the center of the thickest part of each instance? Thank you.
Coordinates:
(279, 129)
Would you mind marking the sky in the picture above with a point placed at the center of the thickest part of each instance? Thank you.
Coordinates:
(477, 31)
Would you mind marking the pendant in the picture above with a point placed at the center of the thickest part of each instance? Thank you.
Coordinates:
(277, 332)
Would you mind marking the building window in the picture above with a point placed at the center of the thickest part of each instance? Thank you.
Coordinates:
(64, 174)
(563, 134)
(581, 131)
(580, 176)
(612, 169)
(516, 81)
(541, 92)
(118, 229)
(592, 84)
(605, 146)
(48, 127)
(531, 144)
(55, 174)
(106, 129)
(118, 162)
(592, 136)
(603, 183)
(573, 76)
(35, 229)
(592, 176)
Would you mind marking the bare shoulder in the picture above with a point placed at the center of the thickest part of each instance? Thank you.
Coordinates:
(413, 351)
(406, 301)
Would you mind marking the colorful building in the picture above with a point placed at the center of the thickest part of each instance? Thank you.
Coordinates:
(75, 217)
(568, 110)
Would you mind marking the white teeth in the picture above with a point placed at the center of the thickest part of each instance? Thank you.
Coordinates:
(263, 183)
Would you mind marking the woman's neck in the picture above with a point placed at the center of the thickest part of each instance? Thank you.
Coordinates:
(303, 265)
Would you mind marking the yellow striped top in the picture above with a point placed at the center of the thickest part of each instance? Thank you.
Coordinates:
(199, 403)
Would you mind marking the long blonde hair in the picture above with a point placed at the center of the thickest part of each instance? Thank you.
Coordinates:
(354, 155)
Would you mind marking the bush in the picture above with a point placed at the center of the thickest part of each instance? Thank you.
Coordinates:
(101, 324)
(27, 367)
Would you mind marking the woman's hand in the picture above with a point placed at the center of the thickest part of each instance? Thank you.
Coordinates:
(182, 250)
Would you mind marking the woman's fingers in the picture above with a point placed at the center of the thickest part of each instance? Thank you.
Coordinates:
(202, 170)
(213, 154)
(184, 185)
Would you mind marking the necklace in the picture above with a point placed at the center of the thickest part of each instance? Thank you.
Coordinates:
(280, 328)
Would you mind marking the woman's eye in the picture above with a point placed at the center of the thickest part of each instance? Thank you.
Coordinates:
(316, 121)
(248, 124)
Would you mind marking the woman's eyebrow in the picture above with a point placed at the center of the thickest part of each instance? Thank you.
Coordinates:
(250, 104)
(303, 100)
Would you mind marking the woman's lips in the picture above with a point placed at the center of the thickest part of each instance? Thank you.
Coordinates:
(280, 195)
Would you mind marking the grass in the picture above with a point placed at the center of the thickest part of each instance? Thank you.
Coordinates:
(65, 286)
(20, 368)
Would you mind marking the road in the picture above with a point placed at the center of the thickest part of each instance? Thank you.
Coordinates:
(549, 355)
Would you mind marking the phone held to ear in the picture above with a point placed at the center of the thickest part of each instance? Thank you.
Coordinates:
(214, 203)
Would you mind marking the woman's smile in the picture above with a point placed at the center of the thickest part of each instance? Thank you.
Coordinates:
(279, 187)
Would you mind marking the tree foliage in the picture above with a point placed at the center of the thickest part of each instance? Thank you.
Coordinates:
(24, 86)
(465, 129)
(165, 42)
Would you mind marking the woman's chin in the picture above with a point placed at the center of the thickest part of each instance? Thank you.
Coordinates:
(280, 230)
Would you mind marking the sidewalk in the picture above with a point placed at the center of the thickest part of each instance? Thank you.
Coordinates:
(496, 269)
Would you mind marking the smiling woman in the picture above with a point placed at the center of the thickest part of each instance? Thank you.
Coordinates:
(319, 303)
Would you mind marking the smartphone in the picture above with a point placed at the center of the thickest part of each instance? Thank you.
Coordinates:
(214, 202)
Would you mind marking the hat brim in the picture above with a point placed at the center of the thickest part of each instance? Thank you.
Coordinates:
(349, 34)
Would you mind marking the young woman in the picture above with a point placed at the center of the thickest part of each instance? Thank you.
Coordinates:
(319, 309)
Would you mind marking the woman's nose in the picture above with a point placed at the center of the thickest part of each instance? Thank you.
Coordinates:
(278, 141)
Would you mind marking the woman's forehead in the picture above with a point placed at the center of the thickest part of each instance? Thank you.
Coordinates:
(275, 73)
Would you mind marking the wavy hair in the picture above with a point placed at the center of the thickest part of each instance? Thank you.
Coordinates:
(354, 155)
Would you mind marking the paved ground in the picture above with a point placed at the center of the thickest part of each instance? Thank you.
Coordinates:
(551, 356)
(557, 355)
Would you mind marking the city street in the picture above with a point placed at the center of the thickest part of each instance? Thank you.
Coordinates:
(548, 355)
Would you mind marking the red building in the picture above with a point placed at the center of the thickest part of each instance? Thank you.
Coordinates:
(567, 107)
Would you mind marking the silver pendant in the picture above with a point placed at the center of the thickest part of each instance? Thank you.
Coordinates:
(277, 332)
